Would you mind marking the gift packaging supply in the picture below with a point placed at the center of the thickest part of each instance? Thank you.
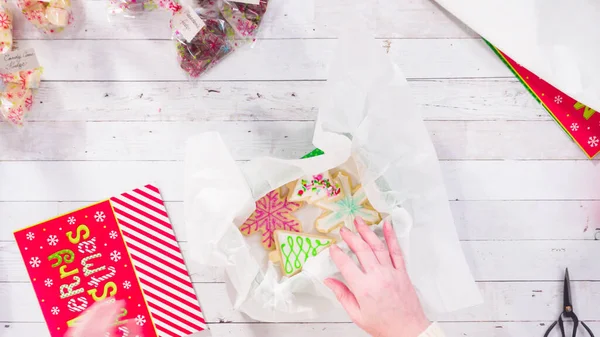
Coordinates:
(207, 31)
(20, 73)
(367, 126)
(50, 17)
(135, 8)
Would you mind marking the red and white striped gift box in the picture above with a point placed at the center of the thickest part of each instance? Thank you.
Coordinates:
(136, 258)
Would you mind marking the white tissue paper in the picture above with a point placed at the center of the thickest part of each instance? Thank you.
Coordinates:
(368, 121)
(557, 40)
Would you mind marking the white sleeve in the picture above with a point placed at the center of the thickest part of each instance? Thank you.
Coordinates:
(434, 330)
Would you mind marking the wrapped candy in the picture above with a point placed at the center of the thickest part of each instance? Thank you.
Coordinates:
(211, 45)
(48, 16)
(6, 26)
(29, 79)
(224, 26)
(15, 103)
(244, 18)
(16, 97)
(133, 8)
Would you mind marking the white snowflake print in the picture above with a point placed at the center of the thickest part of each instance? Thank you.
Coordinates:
(126, 284)
(35, 262)
(48, 282)
(574, 127)
(593, 141)
(99, 216)
(113, 235)
(30, 236)
(52, 240)
(115, 256)
(71, 220)
(55, 311)
(558, 99)
(140, 320)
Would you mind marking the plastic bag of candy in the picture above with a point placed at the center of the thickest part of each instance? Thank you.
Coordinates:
(203, 39)
(210, 30)
(20, 74)
(6, 27)
(16, 96)
(50, 17)
(245, 18)
(133, 8)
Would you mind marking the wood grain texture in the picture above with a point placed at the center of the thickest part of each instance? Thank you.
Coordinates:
(468, 329)
(465, 180)
(504, 301)
(128, 141)
(502, 220)
(489, 261)
(443, 99)
(284, 19)
(287, 59)
(114, 111)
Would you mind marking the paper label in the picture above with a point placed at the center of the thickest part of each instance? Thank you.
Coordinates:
(250, 2)
(187, 23)
(18, 60)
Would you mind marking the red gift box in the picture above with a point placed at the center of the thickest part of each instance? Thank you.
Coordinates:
(580, 122)
(124, 248)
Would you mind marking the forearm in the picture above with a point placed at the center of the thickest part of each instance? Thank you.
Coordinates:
(434, 330)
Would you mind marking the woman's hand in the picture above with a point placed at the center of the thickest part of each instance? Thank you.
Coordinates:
(379, 298)
(99, 319)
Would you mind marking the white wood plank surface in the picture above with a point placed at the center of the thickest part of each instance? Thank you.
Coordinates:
(465, 180)
(504, 301)
(114, 111)
(504, 220)
(278, 59)
(469, 329)
(489, 260)
(128, 141)
(443, 99)
(285, 19)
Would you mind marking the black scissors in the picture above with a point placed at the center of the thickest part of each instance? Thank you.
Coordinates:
(568, 312)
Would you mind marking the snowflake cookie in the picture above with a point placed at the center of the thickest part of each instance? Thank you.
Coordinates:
(314, 188)
(294, 249)
(273, 212)
(343, 209)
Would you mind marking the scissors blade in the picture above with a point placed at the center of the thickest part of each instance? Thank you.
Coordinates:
(567, 304)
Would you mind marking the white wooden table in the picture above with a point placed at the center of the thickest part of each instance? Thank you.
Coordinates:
(114, 112)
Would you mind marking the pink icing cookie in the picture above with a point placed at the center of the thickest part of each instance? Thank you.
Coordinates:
(273, 212)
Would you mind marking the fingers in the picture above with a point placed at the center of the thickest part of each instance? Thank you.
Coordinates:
(96, 320)
(345, 297)
(350, 271)
(393, 246)
(377, 246)
(362, 249)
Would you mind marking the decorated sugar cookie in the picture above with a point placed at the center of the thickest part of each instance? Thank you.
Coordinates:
(273, 212)
(294, 249)
(343, 209)
(314, 188)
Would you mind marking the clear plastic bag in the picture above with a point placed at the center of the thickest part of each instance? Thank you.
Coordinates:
(133, 8)
(210, 46)
(15, 103)
(225, 26)
(244, 18)
(6, 27)
(16, 96)
(48, 16)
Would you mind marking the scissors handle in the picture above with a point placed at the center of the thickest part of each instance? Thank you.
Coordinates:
(553, 325)
(550, 328)
(587, 329)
